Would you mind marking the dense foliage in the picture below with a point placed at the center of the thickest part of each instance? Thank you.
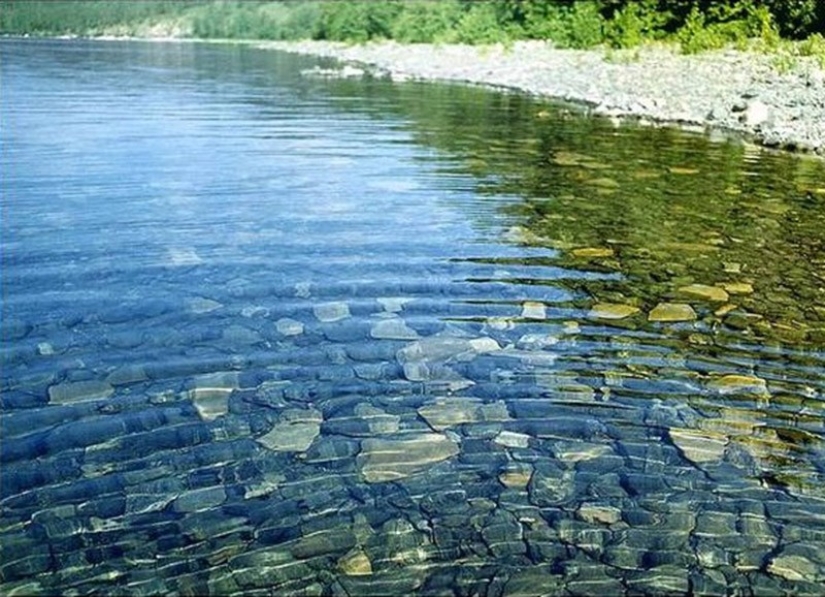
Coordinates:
(696, 24)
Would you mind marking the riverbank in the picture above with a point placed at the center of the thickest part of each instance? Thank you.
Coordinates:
(729, 90)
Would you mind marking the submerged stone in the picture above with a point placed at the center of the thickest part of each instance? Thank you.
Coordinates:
(699, 446)
(592, 252)
(392, 459)
(738, 288)
(79, 391)
(593, 513)
(450, 411)
(289, 327)
(392, 329)
(211, 392)
(704, 292)
(436, 348)
(672, 312)
(199, 304)
(738, 384)
(327, 541)
(511, 439)
(378, 421)
(612, 311)
(795, 568)
(294, 433)
(393, 304)
(200, 499)
(329, 312)
(533, 310)
(516, 475)
(355, 563)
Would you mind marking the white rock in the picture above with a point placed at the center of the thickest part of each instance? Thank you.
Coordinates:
(755, 114)
(392, 329)
(329, 312)
(289, 327)
(533, 310)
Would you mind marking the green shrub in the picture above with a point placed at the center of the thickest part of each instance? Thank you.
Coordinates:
(480, 25)
(357, 21)
(424, 21)
(636, 22)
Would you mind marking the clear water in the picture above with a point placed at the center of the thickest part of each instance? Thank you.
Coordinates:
(265, 332)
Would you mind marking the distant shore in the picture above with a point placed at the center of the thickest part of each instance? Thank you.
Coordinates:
(727, 90)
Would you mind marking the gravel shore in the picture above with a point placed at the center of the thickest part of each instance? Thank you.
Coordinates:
(724, 90)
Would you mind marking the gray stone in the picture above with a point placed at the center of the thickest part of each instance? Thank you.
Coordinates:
(329, 312)
(200, 499)
(662, 580)
(241, 335)
(392, 459)
(699, 446)
(325, 542)
(211, 391)
(295, 432)
(289, 327)
(79, 391)
(503, 534)
(448, 411)
(392, 329)
(550, 487)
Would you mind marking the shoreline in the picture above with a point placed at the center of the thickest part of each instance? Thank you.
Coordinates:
(733, 92)
(739, 94)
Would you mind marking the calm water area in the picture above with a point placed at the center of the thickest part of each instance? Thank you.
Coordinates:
(267, 331)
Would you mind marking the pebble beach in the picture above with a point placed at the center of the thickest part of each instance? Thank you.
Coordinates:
(731, 91)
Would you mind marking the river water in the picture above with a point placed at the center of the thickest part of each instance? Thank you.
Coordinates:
(268, 331)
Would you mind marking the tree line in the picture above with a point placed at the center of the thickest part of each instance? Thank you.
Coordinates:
(694, 24)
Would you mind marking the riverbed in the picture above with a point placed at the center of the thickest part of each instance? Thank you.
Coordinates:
(269, 327)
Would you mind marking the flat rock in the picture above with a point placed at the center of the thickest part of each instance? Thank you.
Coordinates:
(210, 394)
(392, 459)
(289, 327)
(699, 446)
(704, 292)
(79, 391)
(533, 310)
(671, 312)
(738, 288)
(355, 563)
(739, 384)
(392, 329)
(295, 432)
(436, 348)
(200, 499)
(393, 304)
(329, 312)
(378, 421)
(793, 568)
(599, 514)
(516, 475)
(447, 412)
(612, 311)
(511, 439)
(200, 304)
(592, 252)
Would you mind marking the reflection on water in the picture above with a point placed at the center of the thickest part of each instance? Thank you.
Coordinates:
(268, 333)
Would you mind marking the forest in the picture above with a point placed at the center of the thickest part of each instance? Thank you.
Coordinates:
(694, 25)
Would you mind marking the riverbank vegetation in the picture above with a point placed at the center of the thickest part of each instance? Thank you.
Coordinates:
(697, 25)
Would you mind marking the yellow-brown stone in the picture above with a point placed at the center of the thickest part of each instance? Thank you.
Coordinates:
(612, 311)
(671, 312)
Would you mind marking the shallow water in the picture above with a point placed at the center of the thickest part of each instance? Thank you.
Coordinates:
(266, 331)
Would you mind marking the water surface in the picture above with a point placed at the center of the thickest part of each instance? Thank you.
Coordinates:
(265, 331)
